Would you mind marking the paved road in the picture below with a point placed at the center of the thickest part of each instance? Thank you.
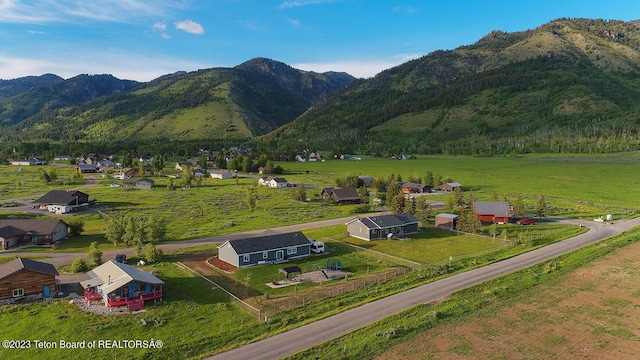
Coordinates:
(301, 338)
(62, 259)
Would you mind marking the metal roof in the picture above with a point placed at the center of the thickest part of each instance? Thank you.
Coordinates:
(386, 221)
(113, 275)
(494, 208)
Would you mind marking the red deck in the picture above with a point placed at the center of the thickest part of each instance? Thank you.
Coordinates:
(92, 295)
(125, 301)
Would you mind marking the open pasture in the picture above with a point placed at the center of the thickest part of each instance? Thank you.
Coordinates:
(583, 181)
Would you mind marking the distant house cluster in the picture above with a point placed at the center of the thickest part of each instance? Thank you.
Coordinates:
(92, 163)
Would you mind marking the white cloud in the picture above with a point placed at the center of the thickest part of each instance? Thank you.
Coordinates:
(160, 26)
(119, 64)
(47, 11)
(294, 22)
(190, 26)
(359, 69)
(299, 3)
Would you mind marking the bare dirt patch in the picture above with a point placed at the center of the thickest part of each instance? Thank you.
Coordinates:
(592, 313)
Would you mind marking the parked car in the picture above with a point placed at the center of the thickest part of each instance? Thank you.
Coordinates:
(121, 258)
(513, 220)
(526, 222)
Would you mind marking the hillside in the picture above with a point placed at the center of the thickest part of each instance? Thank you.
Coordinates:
(569, 85)
(219, 103)
(28, 96)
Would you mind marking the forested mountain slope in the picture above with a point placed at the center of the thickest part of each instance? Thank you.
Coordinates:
(569, 85)
(219, 103)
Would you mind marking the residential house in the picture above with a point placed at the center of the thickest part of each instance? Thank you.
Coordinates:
(413, 188)
(119, 284)
(31, 161)
(220, 174)
(450, 186)
(90, 159)
(31, 232)
(86, 168)
(181, 165)
(126, 173)
(446, 221)
(366, 180)
(106, 163)
(138, 183)
(62, 201)
(24, 277)
(492, 211)
(264, 249)
(382, 227)
(61, 158)
(273, 182)
(341, 195)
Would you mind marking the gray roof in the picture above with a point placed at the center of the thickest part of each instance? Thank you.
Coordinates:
(60, 197)
(342, 193)
(10, 231)
(447, 216)
(387, 221)
(113, 275)
(18, 264)
(33, 226)
(268, 242)
(135, 180)
(495, 208)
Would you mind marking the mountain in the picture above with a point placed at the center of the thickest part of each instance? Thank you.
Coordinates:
(568, 85)
(250, 99)
(28, 96)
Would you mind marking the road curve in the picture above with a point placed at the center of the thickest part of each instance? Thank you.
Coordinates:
(299, 339)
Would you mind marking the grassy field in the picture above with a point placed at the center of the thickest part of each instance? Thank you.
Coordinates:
(577, 185)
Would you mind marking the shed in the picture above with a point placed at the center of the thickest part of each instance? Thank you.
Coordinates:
(446, 221)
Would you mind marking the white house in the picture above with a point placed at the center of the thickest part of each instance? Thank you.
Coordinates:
(220, 174)
(273, 182)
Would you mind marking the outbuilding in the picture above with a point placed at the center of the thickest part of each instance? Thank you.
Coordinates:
(24, 277)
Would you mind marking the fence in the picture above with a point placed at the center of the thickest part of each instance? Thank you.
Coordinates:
(386, 257)
(325, 291)
(252, 310)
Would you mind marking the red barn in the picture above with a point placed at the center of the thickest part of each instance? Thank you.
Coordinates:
(492, 211)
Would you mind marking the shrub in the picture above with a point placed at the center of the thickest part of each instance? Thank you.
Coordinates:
(79, 265)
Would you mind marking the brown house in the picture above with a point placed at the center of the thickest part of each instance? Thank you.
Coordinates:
(31, 232)
(23, 277)
(341, 195)
(413, 188)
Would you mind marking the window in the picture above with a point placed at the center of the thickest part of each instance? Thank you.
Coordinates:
(292, 250)
(246, 258)
(18, 292)
(265, 255)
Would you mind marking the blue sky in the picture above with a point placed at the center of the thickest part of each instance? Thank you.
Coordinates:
(144, 39)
